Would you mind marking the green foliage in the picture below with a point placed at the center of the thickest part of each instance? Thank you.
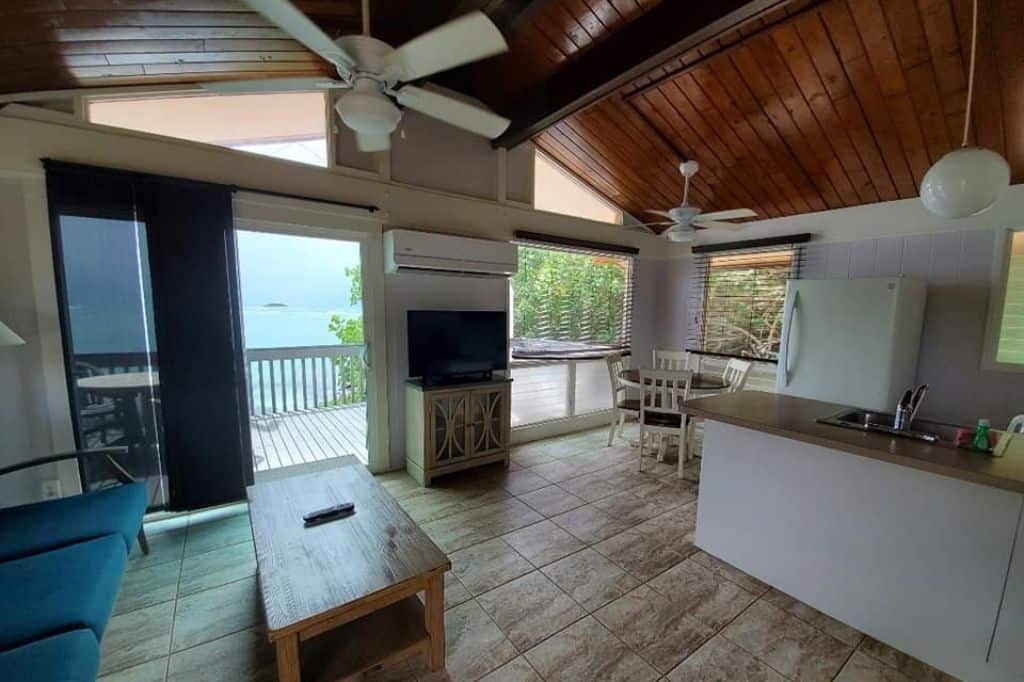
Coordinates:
(351, 374)
(355, 275)
(743, 310)
(569, 296)
(349, 330)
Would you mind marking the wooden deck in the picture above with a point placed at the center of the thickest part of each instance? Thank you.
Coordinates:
(289, 438)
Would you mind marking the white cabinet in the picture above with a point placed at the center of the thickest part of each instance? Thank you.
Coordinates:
(1007, 657)
(450, 428)
(914, 559)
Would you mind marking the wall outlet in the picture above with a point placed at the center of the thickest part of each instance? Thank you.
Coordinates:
(51, 489)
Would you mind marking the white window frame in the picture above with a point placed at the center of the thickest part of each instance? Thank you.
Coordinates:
(582, 185)
(997, 298)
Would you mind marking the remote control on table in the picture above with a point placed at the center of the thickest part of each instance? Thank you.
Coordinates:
(329, 514)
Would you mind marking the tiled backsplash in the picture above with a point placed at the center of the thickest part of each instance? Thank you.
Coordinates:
(958, 269)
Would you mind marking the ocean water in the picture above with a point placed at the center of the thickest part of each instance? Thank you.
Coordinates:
(289, 327)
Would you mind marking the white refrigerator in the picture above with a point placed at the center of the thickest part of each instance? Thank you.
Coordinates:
(851, 341)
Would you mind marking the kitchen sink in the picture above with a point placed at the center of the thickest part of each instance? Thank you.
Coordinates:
(881, 422)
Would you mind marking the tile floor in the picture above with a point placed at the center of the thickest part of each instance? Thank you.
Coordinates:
(570, 566)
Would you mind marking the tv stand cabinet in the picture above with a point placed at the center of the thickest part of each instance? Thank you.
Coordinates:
(456, 427)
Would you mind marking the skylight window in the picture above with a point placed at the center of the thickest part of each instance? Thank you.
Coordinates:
(290, 126)
(556, 190)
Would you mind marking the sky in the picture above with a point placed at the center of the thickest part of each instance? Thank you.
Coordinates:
(301, 272)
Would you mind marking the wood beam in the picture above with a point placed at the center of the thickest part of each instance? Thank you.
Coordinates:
(667, 30)
(507, 15)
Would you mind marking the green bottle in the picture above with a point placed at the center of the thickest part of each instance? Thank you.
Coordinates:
(980, 442)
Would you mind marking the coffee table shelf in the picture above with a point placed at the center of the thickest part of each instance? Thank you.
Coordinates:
(383, 637)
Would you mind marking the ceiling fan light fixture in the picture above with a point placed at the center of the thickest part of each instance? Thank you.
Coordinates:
(368, 110)
(682, 236)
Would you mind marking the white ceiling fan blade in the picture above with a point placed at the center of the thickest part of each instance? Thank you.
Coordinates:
(667, 222)
(467, 39)
(664, 214)
(730, 215)
(296, 24)
(717, 225)
(368, 142)
(271, 85)
(471, 117)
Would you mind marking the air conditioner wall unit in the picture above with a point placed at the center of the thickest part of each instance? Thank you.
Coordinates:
(409, 250)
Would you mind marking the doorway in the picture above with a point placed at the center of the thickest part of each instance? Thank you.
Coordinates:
(308, 323)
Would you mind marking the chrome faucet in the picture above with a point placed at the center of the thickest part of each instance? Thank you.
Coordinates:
(906, 409)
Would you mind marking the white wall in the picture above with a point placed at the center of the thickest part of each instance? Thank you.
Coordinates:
(23, 426)
(405, 291)
(34, 415)
(956, 258)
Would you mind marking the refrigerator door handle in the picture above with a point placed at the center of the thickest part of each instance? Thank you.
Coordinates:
(787, 326)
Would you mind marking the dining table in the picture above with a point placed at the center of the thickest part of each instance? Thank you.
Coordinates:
(125, 388)
(700, 381)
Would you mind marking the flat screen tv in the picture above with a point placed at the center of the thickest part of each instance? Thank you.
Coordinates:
(448, 346)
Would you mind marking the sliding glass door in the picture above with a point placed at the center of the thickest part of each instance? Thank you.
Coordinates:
(147, 292)
(302, 313)
(111, 346)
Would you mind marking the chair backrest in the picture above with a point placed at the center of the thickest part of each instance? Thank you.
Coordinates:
(616, 364)
(1016, 424)
(664, 390)
(735, 374)
(671, 359)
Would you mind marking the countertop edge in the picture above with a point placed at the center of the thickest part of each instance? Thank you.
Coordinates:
(938, 468)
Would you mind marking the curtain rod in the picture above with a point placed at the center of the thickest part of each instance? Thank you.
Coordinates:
(56, 164)
(555, 240)
(754, 243)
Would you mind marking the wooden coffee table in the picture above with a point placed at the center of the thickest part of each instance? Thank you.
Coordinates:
(346, 590)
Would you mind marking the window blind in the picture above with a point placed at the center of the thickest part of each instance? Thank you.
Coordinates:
(736, 298)
(571, 301)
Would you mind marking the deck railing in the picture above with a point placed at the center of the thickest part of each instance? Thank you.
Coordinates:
(304, 378)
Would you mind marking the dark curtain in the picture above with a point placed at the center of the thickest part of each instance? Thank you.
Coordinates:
(190, 254)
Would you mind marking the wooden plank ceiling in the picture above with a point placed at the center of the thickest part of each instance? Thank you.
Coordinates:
(803, 106)
(817, 106)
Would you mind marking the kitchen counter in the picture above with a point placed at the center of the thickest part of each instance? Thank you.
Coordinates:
(794, 418)
(918, 545)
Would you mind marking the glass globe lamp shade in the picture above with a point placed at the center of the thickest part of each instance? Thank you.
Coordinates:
(965, 182)
(368, 112)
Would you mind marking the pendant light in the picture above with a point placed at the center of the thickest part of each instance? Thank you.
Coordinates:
(968, 180)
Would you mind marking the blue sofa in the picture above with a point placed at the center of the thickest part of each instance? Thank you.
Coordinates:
(61, 562)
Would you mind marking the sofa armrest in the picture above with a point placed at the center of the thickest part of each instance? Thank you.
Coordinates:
(77, 455)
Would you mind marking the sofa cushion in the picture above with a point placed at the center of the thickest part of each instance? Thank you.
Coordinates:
(64, 589)
(68, 657)
(33, 528)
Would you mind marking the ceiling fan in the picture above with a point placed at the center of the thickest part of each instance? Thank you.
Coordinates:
(374, 73)
(686, 219)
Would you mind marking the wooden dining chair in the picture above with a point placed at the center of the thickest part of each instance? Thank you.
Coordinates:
(671, 359)
(622, 405)
(662, 394)
(735, 374)
(735, 378)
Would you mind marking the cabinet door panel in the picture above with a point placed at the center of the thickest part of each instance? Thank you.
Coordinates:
(1008, 644)
(448, 432)
(487, 420)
